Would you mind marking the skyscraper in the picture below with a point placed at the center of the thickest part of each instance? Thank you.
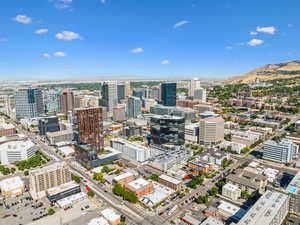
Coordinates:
(134, 106)
(168, 94)
(29, 103)
(67, 100)
(194, 85)
(88, 127)
(109, 95)
(127, 89)
(48, 124)
(52, 98)
(121, 92)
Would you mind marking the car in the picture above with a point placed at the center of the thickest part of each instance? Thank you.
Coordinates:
(14, 215)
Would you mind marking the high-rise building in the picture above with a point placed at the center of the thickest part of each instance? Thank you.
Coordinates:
(67, 100)
(168, 94)
(211, 130)
(127, 89)
(155, 93)
(167, 129)
(121, 92)
(47, 177)
(134, 107)
(52, 98)
(194, 85)
(88, 127)
(29, 103)
(109, 95)
(119, 113)
(48, 124)
(281, 152)
(270, 209)
(200, 94)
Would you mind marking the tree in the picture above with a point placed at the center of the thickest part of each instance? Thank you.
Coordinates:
(118, 189)
(153, 177)
(99, 177)
(76, 178)
(91, 193)
(26, 173)
(51, 211)
(214, 191)
(202, 199)
(130, 196)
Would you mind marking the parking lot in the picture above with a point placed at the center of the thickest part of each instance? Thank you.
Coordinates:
(22, 209)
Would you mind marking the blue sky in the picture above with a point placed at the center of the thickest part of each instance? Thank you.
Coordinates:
(56, 39)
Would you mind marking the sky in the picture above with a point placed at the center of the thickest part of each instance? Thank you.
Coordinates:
(63, 39)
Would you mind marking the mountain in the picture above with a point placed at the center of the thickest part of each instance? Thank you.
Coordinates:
(268, 72)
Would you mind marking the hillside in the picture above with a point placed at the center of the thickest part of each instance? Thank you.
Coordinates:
(269, 72)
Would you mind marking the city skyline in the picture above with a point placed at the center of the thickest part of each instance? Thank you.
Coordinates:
(64, 39)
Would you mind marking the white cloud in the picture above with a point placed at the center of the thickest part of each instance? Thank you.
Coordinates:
(290, 25)
(181, 23)
(267, 30)
(46, 55)
(59, 54)
(41, 31)
(22, 19)
(165, 62)
(68, 36)
(253, 32)
(103, 1)
(228, 47)
(2, 39)
(255, 42)
(62, 4)
(137, 50)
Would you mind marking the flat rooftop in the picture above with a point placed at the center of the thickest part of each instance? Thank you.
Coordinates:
(122, 176)
(47, 169)
(169, 179)
(62, 187)
(294, 185)
(138, 183)
(11, 183)
(265, 209)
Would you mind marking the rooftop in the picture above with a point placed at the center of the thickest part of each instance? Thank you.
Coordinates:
(169, 179)
(246, 178)
(59, 133)
(212, 221)
(138, 183)
(294, 185)
(17, 145)
(110, 215)
(62, 187)
(47, 169)
(265, 209)
(122, 176)
(11, 183)
(230, 187)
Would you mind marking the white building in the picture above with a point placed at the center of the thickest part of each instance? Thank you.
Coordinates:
(60, 136)
(233, 146)
(231, 191)
(270, 209)
(281, 152)
(148, 103)
(16, 151)
(111, 216)
(194, 84)
(211, 130)
(212, 221)
(12, 186)
(130, 150)
(191, 133)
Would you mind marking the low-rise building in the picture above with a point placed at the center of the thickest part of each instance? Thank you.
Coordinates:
(124, 178)
(62, 191)
(270, 209)
(212, 221)
(7, 129)
(231, 191)
(227, 210)
(60, 136)
(248, 181)
(111, 216)
(11, 187)
(17, 150)
(232, 146)
(140, 187)
(170, 182)
(293, 190)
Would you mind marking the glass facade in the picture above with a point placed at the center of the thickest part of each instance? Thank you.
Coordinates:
(168, 94)
(167, 130)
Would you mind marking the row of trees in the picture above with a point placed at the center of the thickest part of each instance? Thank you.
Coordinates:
(34, 161)
(119, 190)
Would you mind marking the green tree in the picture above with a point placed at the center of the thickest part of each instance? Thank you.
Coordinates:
(214, 191)
(153, 177)
(91, 193)
(202, 199)
(130, 196)
(51, 211)
(118, 189)
(76, 178)
(99, 177)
